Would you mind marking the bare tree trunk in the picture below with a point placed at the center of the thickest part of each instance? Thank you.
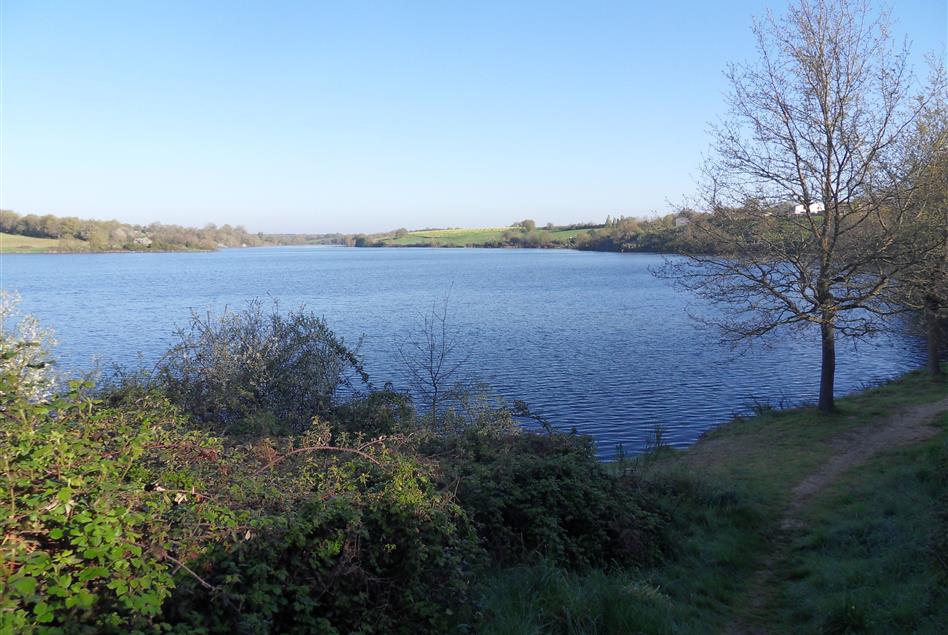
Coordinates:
(828, 368)
(933, 334)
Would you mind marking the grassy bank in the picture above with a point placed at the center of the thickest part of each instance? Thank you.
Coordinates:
(472, 237)
(865, 553)
(13, 243)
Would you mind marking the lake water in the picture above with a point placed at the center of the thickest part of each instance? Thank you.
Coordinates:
(589, 340)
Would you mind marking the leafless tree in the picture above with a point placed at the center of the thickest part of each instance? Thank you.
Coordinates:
(432, 354)
(814, 137)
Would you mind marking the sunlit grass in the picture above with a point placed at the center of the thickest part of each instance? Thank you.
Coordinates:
(16, 243)
(460, 237)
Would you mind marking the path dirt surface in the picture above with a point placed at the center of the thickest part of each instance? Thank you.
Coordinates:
(856, 447)
(850, 449)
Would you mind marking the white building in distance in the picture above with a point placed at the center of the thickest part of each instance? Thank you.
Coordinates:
(815, 208)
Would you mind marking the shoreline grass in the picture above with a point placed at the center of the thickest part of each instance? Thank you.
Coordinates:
(866, 560)
(14, 243)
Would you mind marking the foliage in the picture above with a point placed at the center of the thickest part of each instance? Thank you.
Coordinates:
(624, 234)
(252, 372)
(924, 286)
(113, 509)
(99, 508)
(367, 546)
(380, 412)
(545, 495)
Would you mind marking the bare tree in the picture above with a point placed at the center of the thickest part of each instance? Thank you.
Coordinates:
(432, 354)
(814, 138)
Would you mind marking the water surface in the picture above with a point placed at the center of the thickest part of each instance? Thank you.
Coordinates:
(589, 340)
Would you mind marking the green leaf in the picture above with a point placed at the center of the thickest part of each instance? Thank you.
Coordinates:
(43, 613)
(25, 587)
(91, 573)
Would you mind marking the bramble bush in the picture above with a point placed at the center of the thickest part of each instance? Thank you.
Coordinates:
(98, 509)
(535, 495)
(374, 547)
(82, 534)
(124, 513)
(121, 519)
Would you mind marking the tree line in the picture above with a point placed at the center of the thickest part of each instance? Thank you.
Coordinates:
(77, 234)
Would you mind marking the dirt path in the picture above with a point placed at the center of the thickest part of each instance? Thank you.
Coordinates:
(850, 449)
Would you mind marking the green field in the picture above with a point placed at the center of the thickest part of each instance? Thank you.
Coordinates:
(470, 237)
(13, 243)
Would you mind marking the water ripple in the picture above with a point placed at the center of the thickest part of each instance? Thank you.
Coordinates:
(590, 341)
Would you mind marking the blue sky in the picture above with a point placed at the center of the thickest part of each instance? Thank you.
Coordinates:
(366, 116)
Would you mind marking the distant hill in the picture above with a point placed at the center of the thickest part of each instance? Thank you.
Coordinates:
(666, 234)
(35, 233)
(482, 237)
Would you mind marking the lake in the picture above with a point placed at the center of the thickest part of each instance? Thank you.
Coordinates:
(588, 340)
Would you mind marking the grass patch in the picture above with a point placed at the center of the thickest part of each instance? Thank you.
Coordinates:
(545, 599)
(875, 556)
(470, 237)
(690, 592)
(14, 243)
(764, 456)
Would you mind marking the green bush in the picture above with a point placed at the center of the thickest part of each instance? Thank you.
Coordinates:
(545, 495)
(98, 510)
(109, 510)
(380, 412)
(372, 549)
(121, 515)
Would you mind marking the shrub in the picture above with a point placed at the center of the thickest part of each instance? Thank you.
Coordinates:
(120, 516)
(109, 510)
(372, 548)
(380, 412)
(95, 517)
(545, 495)
(253, 372)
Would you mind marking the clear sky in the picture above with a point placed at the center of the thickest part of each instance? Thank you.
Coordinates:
(366, 116)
